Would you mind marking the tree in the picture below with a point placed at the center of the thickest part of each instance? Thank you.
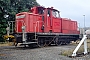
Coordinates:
(8, 9)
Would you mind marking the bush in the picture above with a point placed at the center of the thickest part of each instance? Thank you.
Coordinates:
(1, 39)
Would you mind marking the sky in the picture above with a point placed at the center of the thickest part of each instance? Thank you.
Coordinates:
(73, 9)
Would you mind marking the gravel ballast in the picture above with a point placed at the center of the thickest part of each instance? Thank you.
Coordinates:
(46, 53)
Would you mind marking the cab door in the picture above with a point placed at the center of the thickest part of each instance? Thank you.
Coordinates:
(56, 21)
(48, 27)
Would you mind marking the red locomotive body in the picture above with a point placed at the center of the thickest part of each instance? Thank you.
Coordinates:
(38, 21)
(66, 25)
(45, 26)
(30, 21)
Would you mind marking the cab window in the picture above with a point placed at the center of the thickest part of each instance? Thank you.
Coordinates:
(55, 13)
(40, 11)
(48, 12)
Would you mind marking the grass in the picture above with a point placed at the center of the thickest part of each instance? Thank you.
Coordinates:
(6, 43)
(66, 52)
(81, 49)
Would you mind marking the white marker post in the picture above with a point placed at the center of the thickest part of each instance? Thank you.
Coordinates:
(84, 39)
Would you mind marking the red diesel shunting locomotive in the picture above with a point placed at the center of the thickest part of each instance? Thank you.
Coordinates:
(44, 26)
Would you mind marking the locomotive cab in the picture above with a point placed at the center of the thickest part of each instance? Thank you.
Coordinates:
(53, 20)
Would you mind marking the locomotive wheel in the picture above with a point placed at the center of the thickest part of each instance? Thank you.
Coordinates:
(41, 42)
(60, 43)
(16, 44)
(68, 42)
(57, 41)
(32, 45)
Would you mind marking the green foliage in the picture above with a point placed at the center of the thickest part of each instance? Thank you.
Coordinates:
(10, 8)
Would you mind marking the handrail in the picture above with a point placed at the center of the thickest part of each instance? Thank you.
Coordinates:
(12, 22)
(23, 23)
(37, 22)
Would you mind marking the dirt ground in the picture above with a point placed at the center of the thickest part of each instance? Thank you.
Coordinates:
(46, 53)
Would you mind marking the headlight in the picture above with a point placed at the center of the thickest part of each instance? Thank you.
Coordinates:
(23, 27)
